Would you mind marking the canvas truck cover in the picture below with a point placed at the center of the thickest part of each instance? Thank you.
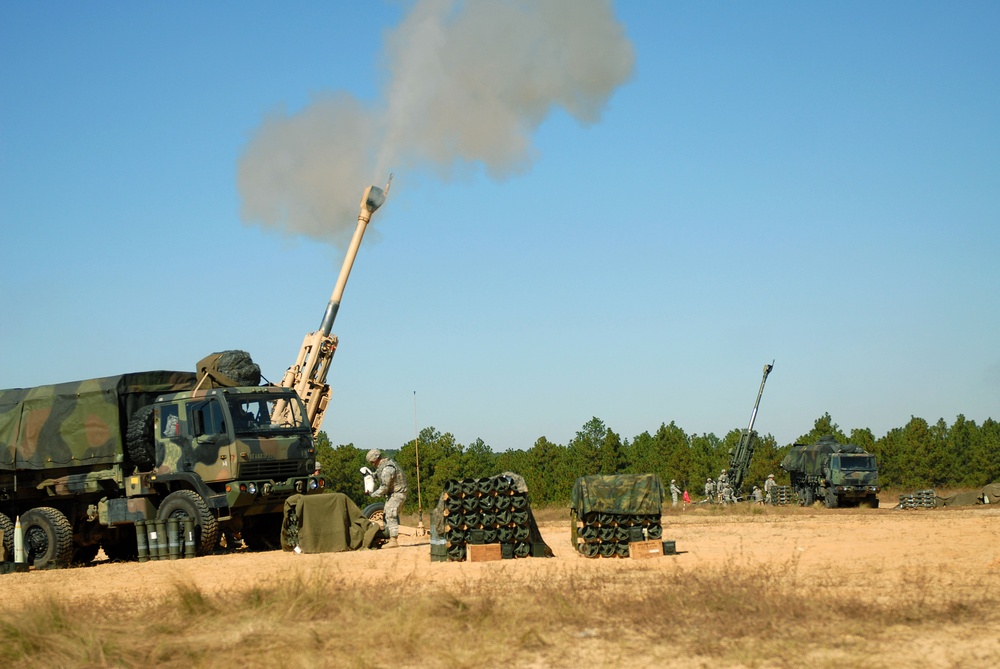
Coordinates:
(77, 423)
(809, 459)
(619, 493)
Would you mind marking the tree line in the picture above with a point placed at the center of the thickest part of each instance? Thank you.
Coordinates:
(916, 456)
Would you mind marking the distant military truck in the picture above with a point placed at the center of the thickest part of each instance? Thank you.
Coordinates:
(838, 474)
(81, 462)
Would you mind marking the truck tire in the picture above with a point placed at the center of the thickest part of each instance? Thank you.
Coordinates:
(375, 512)
(7, 525)
(182, 504)
(140, 444)
(830, 499)
(48, 538)
(808, 496)
(873, 501)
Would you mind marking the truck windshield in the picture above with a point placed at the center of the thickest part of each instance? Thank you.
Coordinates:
(261, 415)
(855, 463)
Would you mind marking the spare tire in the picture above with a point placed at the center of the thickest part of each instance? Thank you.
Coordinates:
(140, 443)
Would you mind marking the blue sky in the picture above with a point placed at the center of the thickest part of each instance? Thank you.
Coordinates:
(814, 183)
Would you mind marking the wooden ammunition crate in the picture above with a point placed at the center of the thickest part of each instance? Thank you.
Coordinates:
(483, 552)
(640, 550)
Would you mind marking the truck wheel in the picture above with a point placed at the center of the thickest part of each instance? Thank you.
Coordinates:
(830, 499)
(808, 497)
(183, 504)
(872, 501)
(48, 538)
(139, 441)
(375, 512)
(8, 537)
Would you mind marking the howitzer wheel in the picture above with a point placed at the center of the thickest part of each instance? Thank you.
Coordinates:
(375, 512)
(140, 443)
(7, 525)
(182, 504)
(48, 538)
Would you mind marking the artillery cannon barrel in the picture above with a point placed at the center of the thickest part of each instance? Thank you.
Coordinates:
(373, 198)
(753, 416)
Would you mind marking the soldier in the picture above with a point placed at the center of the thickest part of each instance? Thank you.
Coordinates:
(392, 485)
(721, 483)
(758, 496)
(710, 490)
(674, 491)
(769, 489)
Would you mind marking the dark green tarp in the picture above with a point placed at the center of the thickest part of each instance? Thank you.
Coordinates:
(77, 423)
(988, 494)
(809, 458)
(327, 523)
(991, 493)
(621, 493)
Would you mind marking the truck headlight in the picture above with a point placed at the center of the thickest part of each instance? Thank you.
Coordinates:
(252, 488)
(313, 484)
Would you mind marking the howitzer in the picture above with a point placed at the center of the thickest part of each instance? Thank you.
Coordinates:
(742, 453)
(308, 375)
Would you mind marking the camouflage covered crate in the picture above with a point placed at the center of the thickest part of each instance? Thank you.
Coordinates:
(611, 512)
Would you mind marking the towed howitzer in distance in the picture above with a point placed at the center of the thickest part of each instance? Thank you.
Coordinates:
(308, 375)
(741, 454)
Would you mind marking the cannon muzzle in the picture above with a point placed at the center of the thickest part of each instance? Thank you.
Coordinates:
(373, 198)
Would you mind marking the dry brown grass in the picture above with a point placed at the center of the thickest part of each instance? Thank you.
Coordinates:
(737, 614)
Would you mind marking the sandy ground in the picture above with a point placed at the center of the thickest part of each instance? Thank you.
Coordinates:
(867, 549)
(964, 543)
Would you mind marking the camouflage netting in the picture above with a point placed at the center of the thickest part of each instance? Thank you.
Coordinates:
(610, 512)
(927, 499)
(809, 459)
(229, 369)
(78, 423)
(488, 511)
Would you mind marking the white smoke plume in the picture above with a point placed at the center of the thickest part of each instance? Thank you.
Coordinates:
(468, 83)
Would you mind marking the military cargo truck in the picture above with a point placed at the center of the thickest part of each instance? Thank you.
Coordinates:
(81, 462)
(838, 474)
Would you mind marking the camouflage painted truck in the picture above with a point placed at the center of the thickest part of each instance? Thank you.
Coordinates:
(838, 474)
(81, 462)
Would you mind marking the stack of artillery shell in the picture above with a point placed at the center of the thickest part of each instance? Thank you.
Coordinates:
(486, 511)
(921, 499)
(782, 494)
(609, 534)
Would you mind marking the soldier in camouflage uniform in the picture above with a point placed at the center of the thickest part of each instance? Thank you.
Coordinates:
(769, 489)
(720, 485)
(710, 490)
(391, 485)
(674, 491)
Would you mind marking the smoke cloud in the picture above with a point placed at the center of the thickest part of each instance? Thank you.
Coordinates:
(469, 81)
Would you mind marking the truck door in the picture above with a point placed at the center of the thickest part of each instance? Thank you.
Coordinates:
(213, 441)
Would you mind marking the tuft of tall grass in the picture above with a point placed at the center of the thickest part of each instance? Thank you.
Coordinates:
(723, 615)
